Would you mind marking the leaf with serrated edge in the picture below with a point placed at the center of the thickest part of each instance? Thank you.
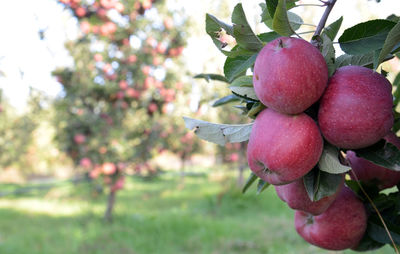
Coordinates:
(242, 31)
(332, 30)
(365, 37)
(391, 41)
(280, 21)
(219, 133)
(329, 161)
(249, 182)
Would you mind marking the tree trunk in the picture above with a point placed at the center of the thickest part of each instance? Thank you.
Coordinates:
(110, 206)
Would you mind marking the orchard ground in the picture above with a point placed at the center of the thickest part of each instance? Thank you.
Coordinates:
(205, 214)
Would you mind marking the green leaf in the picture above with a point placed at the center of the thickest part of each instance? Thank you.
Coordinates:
(365, 60)
(295, 20)
(329, 161)
(367, 243)
(261, 186)
(378, 233)
(396, 86)
(280, 21)
(271, 6)
(393, 18)
(255, 109)
(210, 76)
(320, 184)
(249, 182)
(392, 39)
(328, 52)
(226, 99)
(242, 31)
(243, 86)
(265, 16)
(383, 154)
(238, 66)
(332, 30)
(219, 133)
(365, 37)
(267, 37)
(214, 28)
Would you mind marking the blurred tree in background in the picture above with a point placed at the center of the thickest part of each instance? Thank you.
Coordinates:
(119, 98)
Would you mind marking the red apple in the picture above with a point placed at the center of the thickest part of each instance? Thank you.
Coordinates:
(282, 148)
(79, 138)
(295, 195)
(371, 173)
(290, 75)
(340, 227)
(356, 108)
(109, 168)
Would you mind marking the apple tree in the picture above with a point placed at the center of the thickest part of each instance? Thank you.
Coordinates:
(324, 123)
(122, 83)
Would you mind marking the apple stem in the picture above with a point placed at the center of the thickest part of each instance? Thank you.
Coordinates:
(329, 5)
(281, 43)
(377, 211)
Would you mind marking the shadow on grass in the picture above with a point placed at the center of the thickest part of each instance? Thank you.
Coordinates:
(158, 217)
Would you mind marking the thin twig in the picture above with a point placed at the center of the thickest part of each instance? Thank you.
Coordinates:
(322, 22)
(377, 212)
(317, 5)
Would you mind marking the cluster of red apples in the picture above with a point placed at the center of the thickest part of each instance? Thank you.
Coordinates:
(354, 111)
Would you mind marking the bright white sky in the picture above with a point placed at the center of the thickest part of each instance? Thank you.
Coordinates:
(28, 61)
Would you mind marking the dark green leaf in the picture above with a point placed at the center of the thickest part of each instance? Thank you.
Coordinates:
(383, 154)
(320, 184)
(225, 100)
(280, 22)
(219, 133)
(249, 182)
(332, 30)
(242, 31)
(210, 76)
(238, 66)
(392, 39)
(261, 186)
(329, 161)
(368, 244)
(267, 37)
(378, 233)
(272, 4)
(396, 85)
(328, 52)
(365, 37)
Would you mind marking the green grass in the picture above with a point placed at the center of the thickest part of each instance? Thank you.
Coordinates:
(207, 214)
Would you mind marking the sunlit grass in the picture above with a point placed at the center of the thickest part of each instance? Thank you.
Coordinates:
(205, 214)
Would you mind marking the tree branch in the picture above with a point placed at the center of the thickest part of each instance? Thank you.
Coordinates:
(315, 39)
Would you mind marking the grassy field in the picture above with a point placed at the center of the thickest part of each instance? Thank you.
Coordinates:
(207, 214)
